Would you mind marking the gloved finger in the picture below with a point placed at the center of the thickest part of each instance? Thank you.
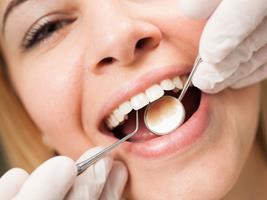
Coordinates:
(11, 182)
(258, 38)
(52, 180)
(215, 79)
(198, 9)
(248, 68)
(116, 182)
(230, 24)
(89, 184)
(208, 77)
(257, 76)
(246, 50)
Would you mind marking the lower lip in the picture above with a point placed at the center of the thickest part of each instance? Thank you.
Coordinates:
(178, 141)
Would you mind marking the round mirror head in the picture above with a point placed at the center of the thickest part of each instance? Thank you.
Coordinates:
(164, 115)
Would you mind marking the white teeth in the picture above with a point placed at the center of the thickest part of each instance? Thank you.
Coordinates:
(178, 82)
(118, 115)
(139, 101)
(125, 108)
(153, 93)
(184, 79)
(109, 123)
(114, 121)
(167, 84)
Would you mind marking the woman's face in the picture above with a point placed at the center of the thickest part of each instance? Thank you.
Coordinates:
(73, 62)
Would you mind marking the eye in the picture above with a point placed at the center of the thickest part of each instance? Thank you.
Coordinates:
(43, 30)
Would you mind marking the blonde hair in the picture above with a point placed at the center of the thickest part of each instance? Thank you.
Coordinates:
(20, 138)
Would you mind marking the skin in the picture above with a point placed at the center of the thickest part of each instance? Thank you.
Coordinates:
(55, 81)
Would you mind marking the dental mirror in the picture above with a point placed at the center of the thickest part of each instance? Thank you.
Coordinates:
(164, 115)
(167, 113)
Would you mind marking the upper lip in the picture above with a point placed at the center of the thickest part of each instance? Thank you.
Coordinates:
(139, 85)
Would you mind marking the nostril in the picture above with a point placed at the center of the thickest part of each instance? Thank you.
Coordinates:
(141, 43)
(145, 43)
(106, 61)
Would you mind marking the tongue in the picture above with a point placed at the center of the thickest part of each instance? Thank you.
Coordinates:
(190, 102)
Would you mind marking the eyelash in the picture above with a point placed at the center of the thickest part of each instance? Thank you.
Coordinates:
(43, 30)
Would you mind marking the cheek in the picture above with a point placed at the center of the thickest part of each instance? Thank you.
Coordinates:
(51, 93)
(249, 115)
(183, 32)
(239, 112)
(234, 121)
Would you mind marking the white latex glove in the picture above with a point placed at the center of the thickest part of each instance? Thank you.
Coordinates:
(56, 179)
(233, 44)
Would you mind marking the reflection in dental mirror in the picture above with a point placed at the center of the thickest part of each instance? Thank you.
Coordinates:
(164, 115)
(168, 113)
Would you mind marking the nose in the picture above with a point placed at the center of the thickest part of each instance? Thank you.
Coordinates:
(122, 40)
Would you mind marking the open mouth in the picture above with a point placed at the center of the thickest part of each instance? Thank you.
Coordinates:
(121, 121)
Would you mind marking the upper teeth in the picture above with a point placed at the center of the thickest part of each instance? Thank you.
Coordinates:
(142, 99)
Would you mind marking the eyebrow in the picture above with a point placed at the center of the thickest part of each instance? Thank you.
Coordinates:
(11, 6)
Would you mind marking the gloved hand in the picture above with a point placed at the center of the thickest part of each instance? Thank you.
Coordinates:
(233, 44)
(56, 179)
